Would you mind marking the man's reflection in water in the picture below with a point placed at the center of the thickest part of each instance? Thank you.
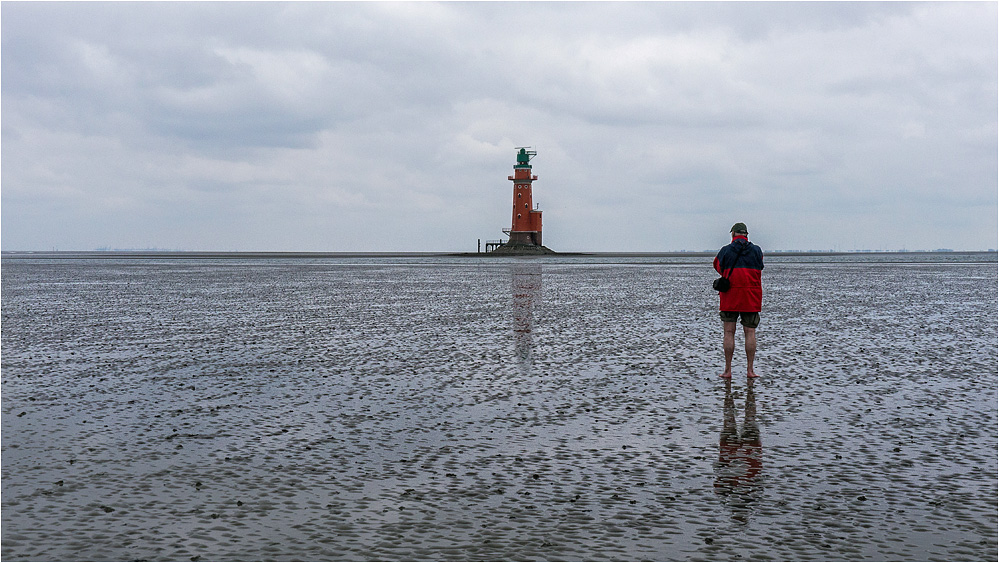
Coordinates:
(526, 288)
(740, 456)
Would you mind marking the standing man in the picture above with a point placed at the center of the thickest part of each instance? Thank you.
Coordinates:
(742, 263)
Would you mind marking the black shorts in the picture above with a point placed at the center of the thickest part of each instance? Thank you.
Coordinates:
(749, 320)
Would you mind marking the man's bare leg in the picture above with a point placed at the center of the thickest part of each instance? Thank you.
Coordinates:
(728, 345)
(750, 350)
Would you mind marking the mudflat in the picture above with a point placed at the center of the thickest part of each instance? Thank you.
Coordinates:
(536, 408)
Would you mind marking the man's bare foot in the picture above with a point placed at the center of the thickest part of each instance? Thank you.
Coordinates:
(726, 375)
(752, 374)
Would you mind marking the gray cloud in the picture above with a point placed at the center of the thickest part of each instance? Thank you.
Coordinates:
(391, 126)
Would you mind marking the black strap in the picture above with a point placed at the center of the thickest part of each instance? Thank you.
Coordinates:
(742, 252)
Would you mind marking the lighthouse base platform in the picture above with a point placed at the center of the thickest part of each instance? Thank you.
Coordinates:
(519, 249)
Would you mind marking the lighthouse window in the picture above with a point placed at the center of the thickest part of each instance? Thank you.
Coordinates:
(518, 216)
(525, 206)
(518, 196)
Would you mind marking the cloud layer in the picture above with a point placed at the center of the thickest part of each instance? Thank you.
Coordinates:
(392, 126)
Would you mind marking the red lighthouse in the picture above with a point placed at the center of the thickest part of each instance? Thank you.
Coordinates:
(526, 227)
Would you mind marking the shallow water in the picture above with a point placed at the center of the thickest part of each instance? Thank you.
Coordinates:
(555, 408)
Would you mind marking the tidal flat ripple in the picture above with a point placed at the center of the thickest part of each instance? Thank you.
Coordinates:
(534, 409)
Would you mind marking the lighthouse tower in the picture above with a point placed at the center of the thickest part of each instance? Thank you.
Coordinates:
(526, 228)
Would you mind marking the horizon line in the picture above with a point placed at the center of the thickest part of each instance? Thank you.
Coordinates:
(156, 252)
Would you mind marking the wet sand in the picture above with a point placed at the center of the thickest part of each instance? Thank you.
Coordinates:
(435, 408)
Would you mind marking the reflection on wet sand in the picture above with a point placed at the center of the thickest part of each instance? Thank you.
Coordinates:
(526, 287)
(740, 456)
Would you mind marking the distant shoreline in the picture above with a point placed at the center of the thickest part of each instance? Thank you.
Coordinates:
(112, 254)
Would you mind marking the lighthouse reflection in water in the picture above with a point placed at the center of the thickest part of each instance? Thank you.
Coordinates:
(526, 287)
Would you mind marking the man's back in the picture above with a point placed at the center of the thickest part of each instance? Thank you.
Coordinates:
(742, 263)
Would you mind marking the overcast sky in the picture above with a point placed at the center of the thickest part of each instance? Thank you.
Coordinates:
(393, 126)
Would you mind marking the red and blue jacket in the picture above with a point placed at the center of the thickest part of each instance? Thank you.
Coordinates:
(745, 260)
